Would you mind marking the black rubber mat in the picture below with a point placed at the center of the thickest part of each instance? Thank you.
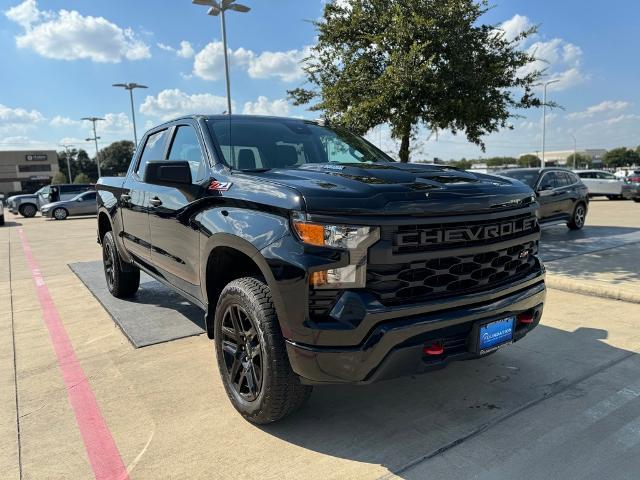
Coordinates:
(154, 315)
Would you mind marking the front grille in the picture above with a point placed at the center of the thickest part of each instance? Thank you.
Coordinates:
(449, 276)
(424, 237)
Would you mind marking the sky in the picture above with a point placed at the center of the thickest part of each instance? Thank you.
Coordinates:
(59, 59)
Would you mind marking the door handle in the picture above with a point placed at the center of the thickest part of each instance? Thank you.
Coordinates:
(125, 197)
(155, 201)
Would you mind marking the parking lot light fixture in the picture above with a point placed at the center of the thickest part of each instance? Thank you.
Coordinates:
(95, 138)
(218, 7)
(131, 87)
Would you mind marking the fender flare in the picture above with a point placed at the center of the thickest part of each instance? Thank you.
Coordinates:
(247, 248)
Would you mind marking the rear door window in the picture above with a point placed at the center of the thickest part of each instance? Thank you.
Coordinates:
(548, 181)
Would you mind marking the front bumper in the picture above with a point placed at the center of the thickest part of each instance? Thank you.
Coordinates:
(394, 348)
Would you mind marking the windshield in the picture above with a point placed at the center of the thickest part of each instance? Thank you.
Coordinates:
(528, 177)
(257, 143)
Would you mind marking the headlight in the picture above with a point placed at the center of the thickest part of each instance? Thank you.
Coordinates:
(355, 239)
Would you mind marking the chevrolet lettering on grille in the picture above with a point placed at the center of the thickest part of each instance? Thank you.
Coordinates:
(478, 233)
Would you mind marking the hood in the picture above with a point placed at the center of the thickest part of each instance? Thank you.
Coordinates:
(398, 188)
(21, 197)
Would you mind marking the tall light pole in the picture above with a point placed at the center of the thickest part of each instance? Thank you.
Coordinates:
(95, 138)
(218, 7)
(575, 149)
(66, 150)
(544, 117)
(131, 87)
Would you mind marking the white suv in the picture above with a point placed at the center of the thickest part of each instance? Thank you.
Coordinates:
(602, 183)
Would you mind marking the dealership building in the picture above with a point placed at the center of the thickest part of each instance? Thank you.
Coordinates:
(26, 170)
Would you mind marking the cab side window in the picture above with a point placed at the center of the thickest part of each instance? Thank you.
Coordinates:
(548, 181)
(153, 151)
(186, 147)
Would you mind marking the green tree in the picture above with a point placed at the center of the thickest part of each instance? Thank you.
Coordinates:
(463, 164)
(416, 63)
(80, 163)
(500, 161)
(621, 157)
(581, 161)
(115, 159)
(529, 160)
(59, 177)
(82, 178)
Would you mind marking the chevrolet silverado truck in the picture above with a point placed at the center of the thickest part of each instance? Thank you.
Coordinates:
(316, 258)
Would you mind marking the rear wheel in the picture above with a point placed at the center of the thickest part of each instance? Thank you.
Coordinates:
(578, 218)
(121, 282)
(60, 213)
(28, 210)
(252, 356)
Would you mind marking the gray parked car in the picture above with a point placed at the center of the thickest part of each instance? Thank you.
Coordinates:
(1, 209)
(83, 204)
(28, 205)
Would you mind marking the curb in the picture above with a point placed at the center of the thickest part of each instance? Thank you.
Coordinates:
(584, 288)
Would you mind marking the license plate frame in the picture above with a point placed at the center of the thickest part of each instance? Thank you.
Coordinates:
(493, 334)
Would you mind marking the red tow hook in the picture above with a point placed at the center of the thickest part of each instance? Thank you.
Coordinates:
(433, 349)
(525, 318)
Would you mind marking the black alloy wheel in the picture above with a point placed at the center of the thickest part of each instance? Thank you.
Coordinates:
(242, 353)
(108, 261)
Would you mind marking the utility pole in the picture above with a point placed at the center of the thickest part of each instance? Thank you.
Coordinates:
(95, 138)
(68, 155)
(575, 150)
(218, 7)
(131, 87)
(544, 117)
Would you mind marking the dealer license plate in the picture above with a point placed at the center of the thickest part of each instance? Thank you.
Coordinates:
(497, 333)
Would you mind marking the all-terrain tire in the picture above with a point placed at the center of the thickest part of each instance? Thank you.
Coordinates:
(122, 280)
(578, 218)
(277, 391)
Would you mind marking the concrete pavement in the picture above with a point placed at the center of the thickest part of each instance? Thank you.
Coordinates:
(564, 400)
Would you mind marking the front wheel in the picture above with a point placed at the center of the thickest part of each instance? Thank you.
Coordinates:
(637, 199)
(60, 213)
(578, 218)
(252, 356)
(121, 282)
(27, 211)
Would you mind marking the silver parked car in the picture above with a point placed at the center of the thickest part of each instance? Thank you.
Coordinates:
(605, 184)
(28, 205)
(1, 209)
(83, 204)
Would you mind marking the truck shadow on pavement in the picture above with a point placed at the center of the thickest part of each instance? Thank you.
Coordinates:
(400, 422)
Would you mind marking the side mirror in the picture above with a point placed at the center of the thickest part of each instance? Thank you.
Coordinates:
(168, 173)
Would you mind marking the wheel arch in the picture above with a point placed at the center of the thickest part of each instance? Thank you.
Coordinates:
(227, 257)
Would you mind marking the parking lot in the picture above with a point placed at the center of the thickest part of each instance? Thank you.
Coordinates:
(562, 403)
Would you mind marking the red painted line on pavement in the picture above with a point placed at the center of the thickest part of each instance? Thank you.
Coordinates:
(101, 448)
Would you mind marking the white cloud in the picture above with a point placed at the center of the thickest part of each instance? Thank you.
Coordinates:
(185, 51)
(601, 108)
(19, 116)
(172, 103)
(68, 35)
(209, 63)
(560, 59)
(60, 121)
(115, 124)
(24, 14)
(515, 26)
(277, 108)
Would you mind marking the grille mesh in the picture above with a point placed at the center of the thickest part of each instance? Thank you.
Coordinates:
(447, 276)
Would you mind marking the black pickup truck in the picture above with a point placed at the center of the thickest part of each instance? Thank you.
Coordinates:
(318, 259)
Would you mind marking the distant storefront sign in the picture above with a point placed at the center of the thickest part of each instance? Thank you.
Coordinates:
(39, 177)
(36, 157)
